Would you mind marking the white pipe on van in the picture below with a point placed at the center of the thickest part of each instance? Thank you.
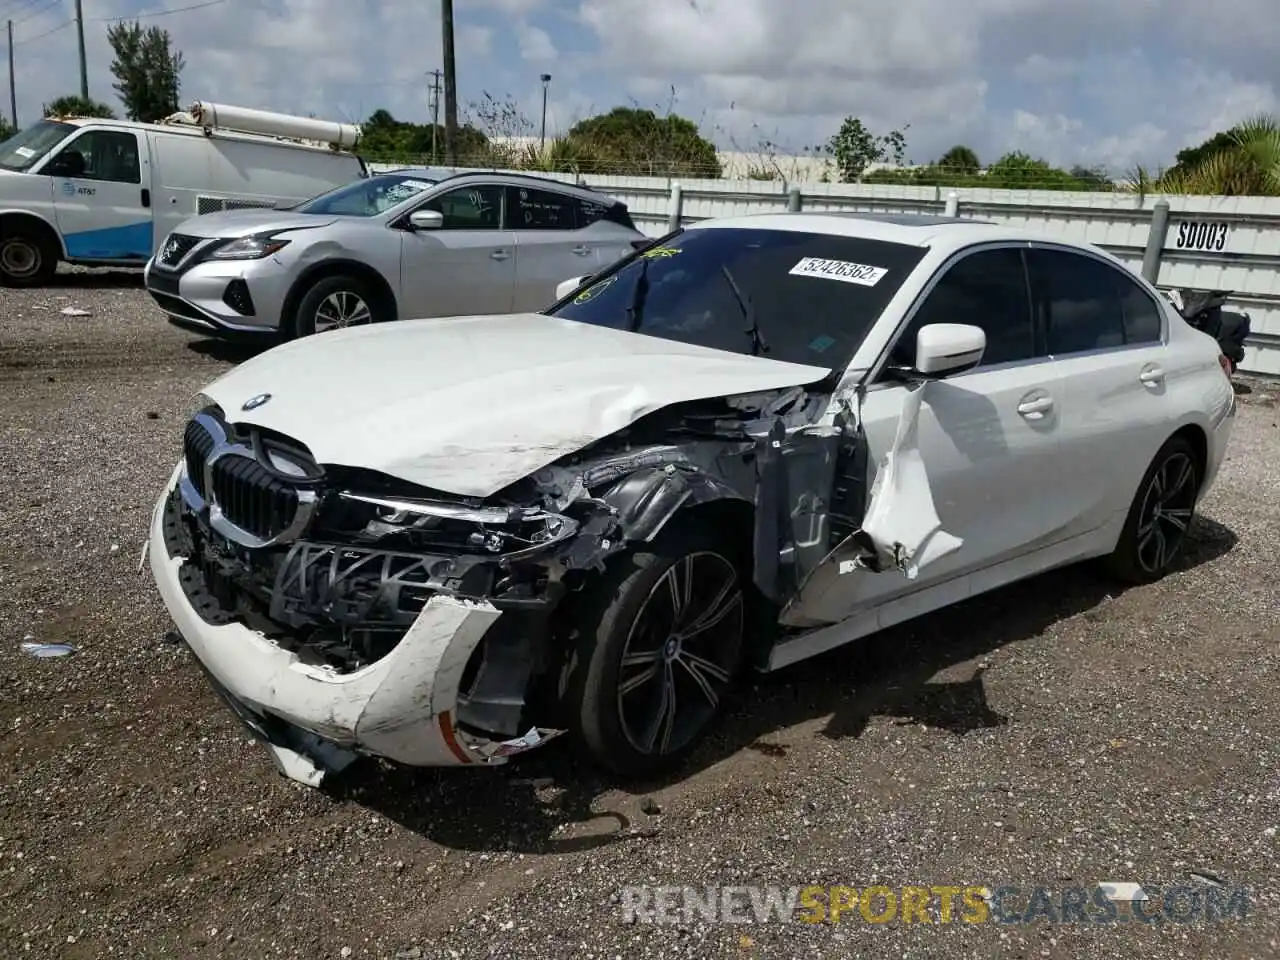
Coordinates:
(264, 122)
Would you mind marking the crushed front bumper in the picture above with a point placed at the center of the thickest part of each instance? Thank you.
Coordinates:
(315, 719)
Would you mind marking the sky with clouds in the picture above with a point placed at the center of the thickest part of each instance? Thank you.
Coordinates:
(1096, 82)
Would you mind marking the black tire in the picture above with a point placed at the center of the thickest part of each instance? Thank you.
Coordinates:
(318, 302)
(1155, 531)
(27, 259)
(610, 619)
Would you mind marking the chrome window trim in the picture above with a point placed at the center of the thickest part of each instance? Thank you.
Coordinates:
(224, 447)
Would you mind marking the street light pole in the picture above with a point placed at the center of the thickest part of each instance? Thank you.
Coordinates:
(546, 79)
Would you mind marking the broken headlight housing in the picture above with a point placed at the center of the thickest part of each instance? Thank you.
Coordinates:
(509, 533)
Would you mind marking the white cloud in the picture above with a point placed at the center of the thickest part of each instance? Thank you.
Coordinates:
(1086, 81)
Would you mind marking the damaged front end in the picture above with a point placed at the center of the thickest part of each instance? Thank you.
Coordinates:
(342, 571)
(343, 611)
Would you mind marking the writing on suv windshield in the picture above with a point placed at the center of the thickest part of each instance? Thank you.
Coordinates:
(368, 197)
(787, 295)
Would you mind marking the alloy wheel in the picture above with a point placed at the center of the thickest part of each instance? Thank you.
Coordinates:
(342, 308)
(680, 654)
(1166, 512)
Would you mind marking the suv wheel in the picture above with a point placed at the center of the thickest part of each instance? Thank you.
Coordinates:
(334, 303)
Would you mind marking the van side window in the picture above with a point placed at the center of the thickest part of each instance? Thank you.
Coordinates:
(109, 155)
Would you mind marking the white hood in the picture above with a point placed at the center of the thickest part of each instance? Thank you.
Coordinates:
(468, 405)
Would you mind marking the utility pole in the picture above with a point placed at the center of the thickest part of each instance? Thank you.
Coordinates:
(450, 84)
(546, 79)
(13, 93)
(435, 110)
(84, 68)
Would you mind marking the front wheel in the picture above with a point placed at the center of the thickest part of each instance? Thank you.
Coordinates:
(1155, 532)
(26, 260)
(333, 304)
(657, 643)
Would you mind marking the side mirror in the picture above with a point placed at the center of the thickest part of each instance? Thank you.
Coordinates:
(568, 286)
(68, 164)
(426, 220)
(946, 348)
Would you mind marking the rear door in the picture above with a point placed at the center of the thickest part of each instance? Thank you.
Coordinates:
(468, 266)
(102, 195)
(1106, 335)
(608, 230)
(551, 247)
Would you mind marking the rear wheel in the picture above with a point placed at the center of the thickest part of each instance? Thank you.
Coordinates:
(1155, 531)
(657, 643)
(333, 304)
(26, 259)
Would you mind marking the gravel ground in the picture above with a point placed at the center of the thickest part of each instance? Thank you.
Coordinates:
(1083, 736)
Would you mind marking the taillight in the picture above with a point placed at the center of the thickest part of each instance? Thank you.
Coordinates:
(1225, 362)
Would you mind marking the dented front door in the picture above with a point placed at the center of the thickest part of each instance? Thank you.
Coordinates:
(989, 443)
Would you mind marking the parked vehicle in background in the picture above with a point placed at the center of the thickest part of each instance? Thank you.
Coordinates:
(445, 541)
(102, 192)
(407, 244)
(1203, 310)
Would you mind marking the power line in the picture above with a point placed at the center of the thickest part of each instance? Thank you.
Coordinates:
(41, 36)
(159, 13)
(37, 11)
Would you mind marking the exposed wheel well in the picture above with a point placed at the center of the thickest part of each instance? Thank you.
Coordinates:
(1199, 441)
(33, 226)
(377, 283)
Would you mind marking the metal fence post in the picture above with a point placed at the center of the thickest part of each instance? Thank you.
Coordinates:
(677, 207)
(794, 199)
(1155, 241)
(953, 204)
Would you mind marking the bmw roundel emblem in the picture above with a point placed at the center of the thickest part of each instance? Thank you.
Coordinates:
(253, 403)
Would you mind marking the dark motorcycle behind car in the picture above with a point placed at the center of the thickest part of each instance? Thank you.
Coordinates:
(1203, 310)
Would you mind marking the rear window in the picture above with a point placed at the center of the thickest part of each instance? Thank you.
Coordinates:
(813, 297)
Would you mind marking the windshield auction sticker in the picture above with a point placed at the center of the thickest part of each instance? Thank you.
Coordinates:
(859, 273)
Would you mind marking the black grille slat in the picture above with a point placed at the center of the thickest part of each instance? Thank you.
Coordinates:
(177, 246)
(253, 499)
(197, 445)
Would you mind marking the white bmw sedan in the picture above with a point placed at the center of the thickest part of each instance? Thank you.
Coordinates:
(446, 541)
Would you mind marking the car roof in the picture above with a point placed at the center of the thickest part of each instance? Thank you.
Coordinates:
(920, 230)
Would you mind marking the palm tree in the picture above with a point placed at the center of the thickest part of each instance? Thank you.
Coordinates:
(1248, 166)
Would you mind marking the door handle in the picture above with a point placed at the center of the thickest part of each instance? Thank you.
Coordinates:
(582, 250)
(1152, 375)
(500, 255)
(146, 197)
(1035, 409)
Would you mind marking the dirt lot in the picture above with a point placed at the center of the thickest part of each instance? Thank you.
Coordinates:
(1077, 736)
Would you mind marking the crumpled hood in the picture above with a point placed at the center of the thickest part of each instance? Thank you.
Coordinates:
(231, 224)
(468, 405)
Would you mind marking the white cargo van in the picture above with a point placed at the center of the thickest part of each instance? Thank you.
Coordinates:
(107, 192)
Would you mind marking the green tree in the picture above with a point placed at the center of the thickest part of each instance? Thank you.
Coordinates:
(384, 138)
(855, 148)
(76, 106)
(631, 141)
(960, 159)
(6, 129)
(147, 71)
(1241, 162)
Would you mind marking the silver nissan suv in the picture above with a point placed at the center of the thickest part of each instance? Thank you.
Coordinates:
(399, 245)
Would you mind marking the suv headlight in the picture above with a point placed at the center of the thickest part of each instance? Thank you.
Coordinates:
(248, 248)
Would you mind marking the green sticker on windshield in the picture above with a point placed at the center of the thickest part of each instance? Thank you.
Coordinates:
(660, 252)
(595, 290)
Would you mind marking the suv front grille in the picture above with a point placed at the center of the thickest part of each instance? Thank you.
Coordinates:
(177, 246)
